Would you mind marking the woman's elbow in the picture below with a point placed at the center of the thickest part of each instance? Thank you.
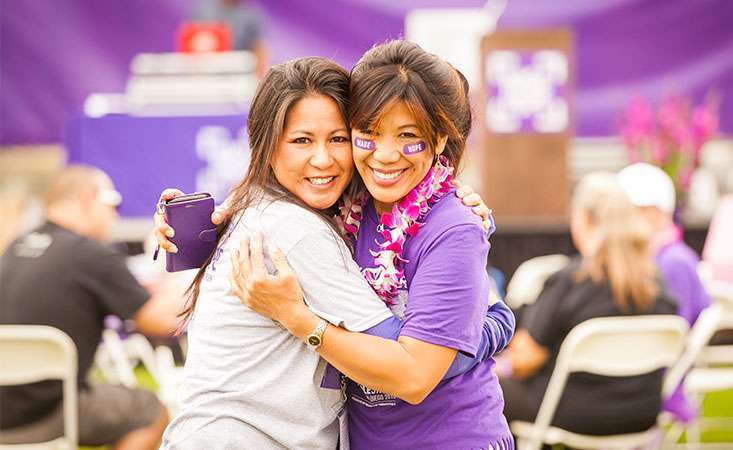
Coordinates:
(415, 396)
(416, 390)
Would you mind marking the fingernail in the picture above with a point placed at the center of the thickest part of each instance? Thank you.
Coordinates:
(174, 249)
(170, 233)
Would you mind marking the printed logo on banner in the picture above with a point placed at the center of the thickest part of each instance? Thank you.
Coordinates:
(527, 91)
(226, 158)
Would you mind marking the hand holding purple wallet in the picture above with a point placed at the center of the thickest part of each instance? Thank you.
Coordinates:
(195, 234)
(163, 232)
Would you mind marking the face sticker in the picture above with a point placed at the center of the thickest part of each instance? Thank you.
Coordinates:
(364, 144)
(415, 147)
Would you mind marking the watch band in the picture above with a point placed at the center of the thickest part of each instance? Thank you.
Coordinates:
(315, 338)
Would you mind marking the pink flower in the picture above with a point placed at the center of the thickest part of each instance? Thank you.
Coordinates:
(685, 176)
(704, 123)
(672, 137)
(394, 246)
(412, 211)
(411, 197)
(638, 123)
(387, 219)
(412, 229)
(660, 152)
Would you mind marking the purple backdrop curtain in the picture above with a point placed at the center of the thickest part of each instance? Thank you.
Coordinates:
(54, 53)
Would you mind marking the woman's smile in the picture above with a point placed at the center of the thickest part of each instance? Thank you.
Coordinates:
(396, 158)
(313, 156)
(384, 177)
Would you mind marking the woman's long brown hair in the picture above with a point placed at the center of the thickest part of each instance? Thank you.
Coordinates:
(281, 88)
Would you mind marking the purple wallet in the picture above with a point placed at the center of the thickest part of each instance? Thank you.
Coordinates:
(190, 217)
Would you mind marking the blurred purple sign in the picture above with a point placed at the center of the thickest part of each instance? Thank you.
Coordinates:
(144, 155)
(527, 91)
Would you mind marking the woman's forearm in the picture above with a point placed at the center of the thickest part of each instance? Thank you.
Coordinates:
(526, 355)
(407, 368)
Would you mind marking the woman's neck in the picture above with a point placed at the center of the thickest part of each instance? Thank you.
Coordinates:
(381, 207)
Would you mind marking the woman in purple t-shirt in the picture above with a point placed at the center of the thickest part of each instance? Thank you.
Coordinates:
(410, 117)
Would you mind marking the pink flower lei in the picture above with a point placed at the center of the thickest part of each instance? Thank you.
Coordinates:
(396, 227)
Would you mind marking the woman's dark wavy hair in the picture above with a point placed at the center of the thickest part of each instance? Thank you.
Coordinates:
(434, 91)
(281, 88)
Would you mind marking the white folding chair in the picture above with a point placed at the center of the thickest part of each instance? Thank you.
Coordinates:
(697, 340)
(529, 279)
(610, 346)
(117, 358)
(32, 353)
(169, 378)
(712, 367)
(113, 360)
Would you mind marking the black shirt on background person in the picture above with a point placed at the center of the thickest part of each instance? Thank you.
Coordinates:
(588, 400)
(53, 276)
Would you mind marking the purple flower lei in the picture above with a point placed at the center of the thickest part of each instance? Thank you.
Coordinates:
(396, 227)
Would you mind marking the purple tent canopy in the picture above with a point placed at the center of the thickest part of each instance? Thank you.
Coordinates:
(52, 56)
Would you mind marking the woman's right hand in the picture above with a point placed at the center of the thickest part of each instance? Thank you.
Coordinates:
(163, 232)
(277, 296)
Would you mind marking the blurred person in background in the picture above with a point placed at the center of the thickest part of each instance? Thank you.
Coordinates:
(652, 191)
(244, 22)
(613, 276)
(63, 275)
(13, 200)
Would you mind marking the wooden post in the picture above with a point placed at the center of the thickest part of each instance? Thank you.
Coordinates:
(526, 114)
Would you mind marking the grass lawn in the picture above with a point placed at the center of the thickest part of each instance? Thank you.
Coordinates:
(718, 405)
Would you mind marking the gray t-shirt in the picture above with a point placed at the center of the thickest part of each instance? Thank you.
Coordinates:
(248, 383)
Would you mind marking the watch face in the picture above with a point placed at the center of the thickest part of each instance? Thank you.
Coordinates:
(314, 340)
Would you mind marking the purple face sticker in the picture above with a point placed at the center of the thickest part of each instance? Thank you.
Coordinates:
(415, 147)
(364, 144)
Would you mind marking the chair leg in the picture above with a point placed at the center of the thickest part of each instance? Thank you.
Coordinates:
(693, 432)
(670, 439)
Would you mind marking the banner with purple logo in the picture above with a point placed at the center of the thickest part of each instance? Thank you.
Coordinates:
(144, 155)
(527, 91)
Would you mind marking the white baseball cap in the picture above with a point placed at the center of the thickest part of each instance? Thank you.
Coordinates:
(109, 197)
(648, 185)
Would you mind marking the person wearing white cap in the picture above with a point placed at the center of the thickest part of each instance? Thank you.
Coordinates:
(62, 275)
(652, 191)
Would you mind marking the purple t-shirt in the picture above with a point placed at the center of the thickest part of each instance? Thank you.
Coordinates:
(678, 265)
(448, 296)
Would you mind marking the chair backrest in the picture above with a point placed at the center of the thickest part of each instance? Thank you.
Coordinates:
(612, 346)
(31, 353)
(722, 294)
(698, 338)
(529, 279)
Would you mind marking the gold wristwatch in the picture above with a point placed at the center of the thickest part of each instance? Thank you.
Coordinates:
(315, 339)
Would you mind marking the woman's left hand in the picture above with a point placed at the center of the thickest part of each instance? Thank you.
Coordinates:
(473, 199)
(279, 296)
